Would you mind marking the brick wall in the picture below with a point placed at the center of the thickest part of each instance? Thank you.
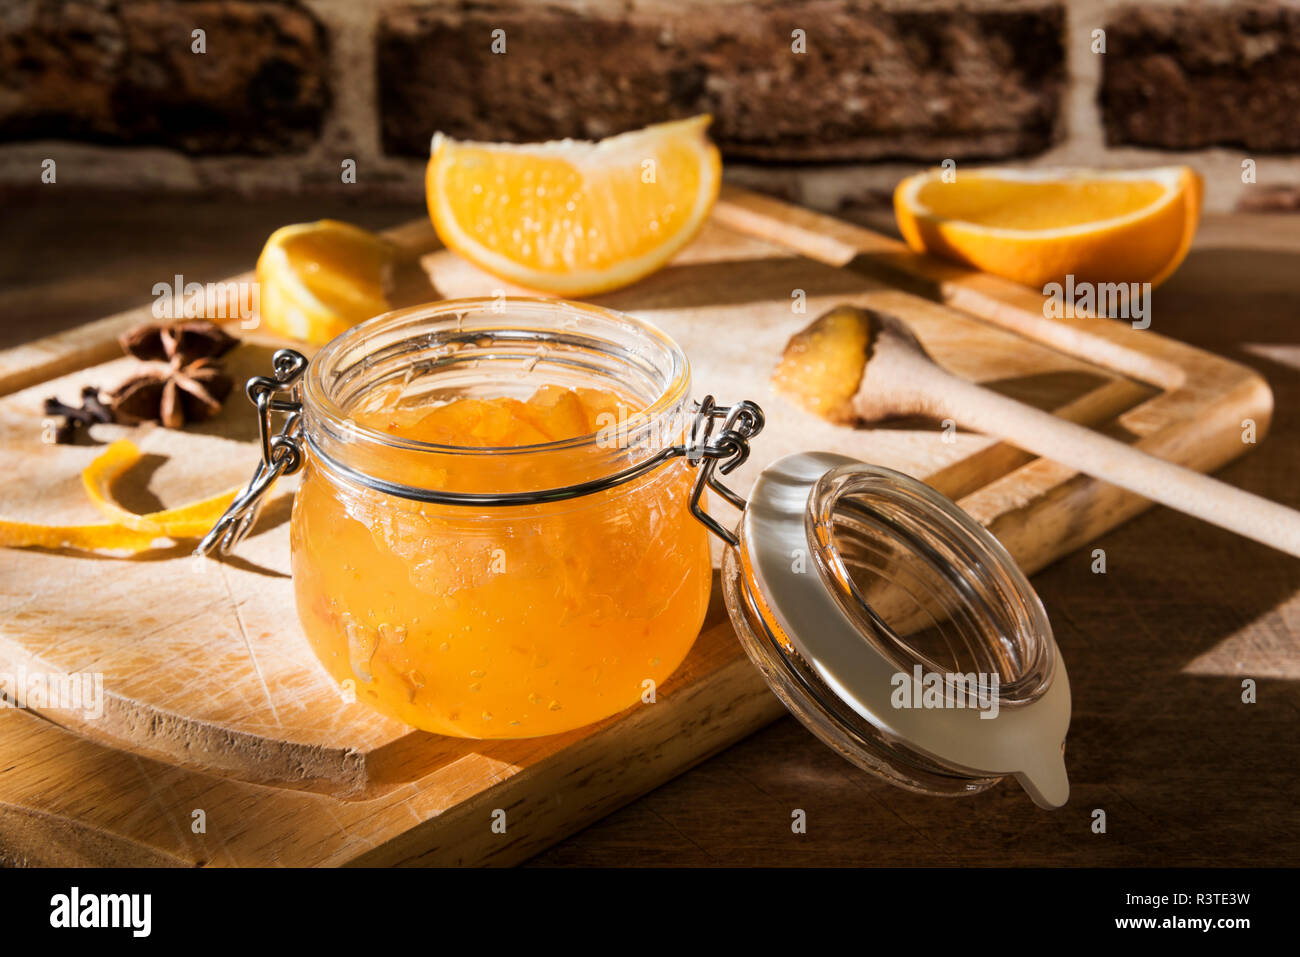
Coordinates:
(285, 92)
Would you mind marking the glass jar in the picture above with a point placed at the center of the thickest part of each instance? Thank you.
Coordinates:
(496, 621)
(527, 590)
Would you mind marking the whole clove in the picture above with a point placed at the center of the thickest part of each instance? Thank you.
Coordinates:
(68, 421)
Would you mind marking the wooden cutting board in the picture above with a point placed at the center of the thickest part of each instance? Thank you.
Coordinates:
(214, 702)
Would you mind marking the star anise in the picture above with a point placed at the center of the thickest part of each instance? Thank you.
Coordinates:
(172, 394)
(181, 342)
(181, 379)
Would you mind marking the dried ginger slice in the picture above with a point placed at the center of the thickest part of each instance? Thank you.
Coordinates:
(129, 531)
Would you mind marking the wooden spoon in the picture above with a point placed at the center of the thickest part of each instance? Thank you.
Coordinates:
(856, 364)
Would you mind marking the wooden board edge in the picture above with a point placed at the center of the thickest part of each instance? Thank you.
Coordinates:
(1079, 508)
(545, 802)
(589, 780)
(33, 838)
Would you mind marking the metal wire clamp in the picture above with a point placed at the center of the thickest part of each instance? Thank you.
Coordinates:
(281, 452)
(740, 423)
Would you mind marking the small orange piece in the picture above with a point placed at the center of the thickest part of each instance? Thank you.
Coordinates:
(1037, 226)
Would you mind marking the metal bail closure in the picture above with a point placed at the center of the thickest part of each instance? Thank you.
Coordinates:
(281, 452)
(898, 629)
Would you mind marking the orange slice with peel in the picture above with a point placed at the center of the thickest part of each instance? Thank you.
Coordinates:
(128, 531)
(571, 217)
(1037, 226)
(317, 279)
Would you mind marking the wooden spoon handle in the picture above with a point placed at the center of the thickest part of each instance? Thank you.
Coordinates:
(1105, 458)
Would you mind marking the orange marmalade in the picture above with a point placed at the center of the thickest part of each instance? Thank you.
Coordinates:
(507, 621)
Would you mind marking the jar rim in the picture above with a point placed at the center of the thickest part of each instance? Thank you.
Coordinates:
(320, 403)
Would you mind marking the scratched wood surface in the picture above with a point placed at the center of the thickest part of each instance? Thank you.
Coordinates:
(213, 696)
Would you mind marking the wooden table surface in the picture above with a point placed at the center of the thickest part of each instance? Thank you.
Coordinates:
(1157, 647)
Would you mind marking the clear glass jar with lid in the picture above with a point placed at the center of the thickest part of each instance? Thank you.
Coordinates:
(519, 590)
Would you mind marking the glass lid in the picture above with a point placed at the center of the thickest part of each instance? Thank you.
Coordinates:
(898, 629)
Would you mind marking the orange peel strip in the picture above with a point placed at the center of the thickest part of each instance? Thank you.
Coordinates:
(128, 531)
(185, 521)
(107, 537)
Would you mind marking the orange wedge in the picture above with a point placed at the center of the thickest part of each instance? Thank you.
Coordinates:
(317, 279)
(1038, 226)
(572, 218)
